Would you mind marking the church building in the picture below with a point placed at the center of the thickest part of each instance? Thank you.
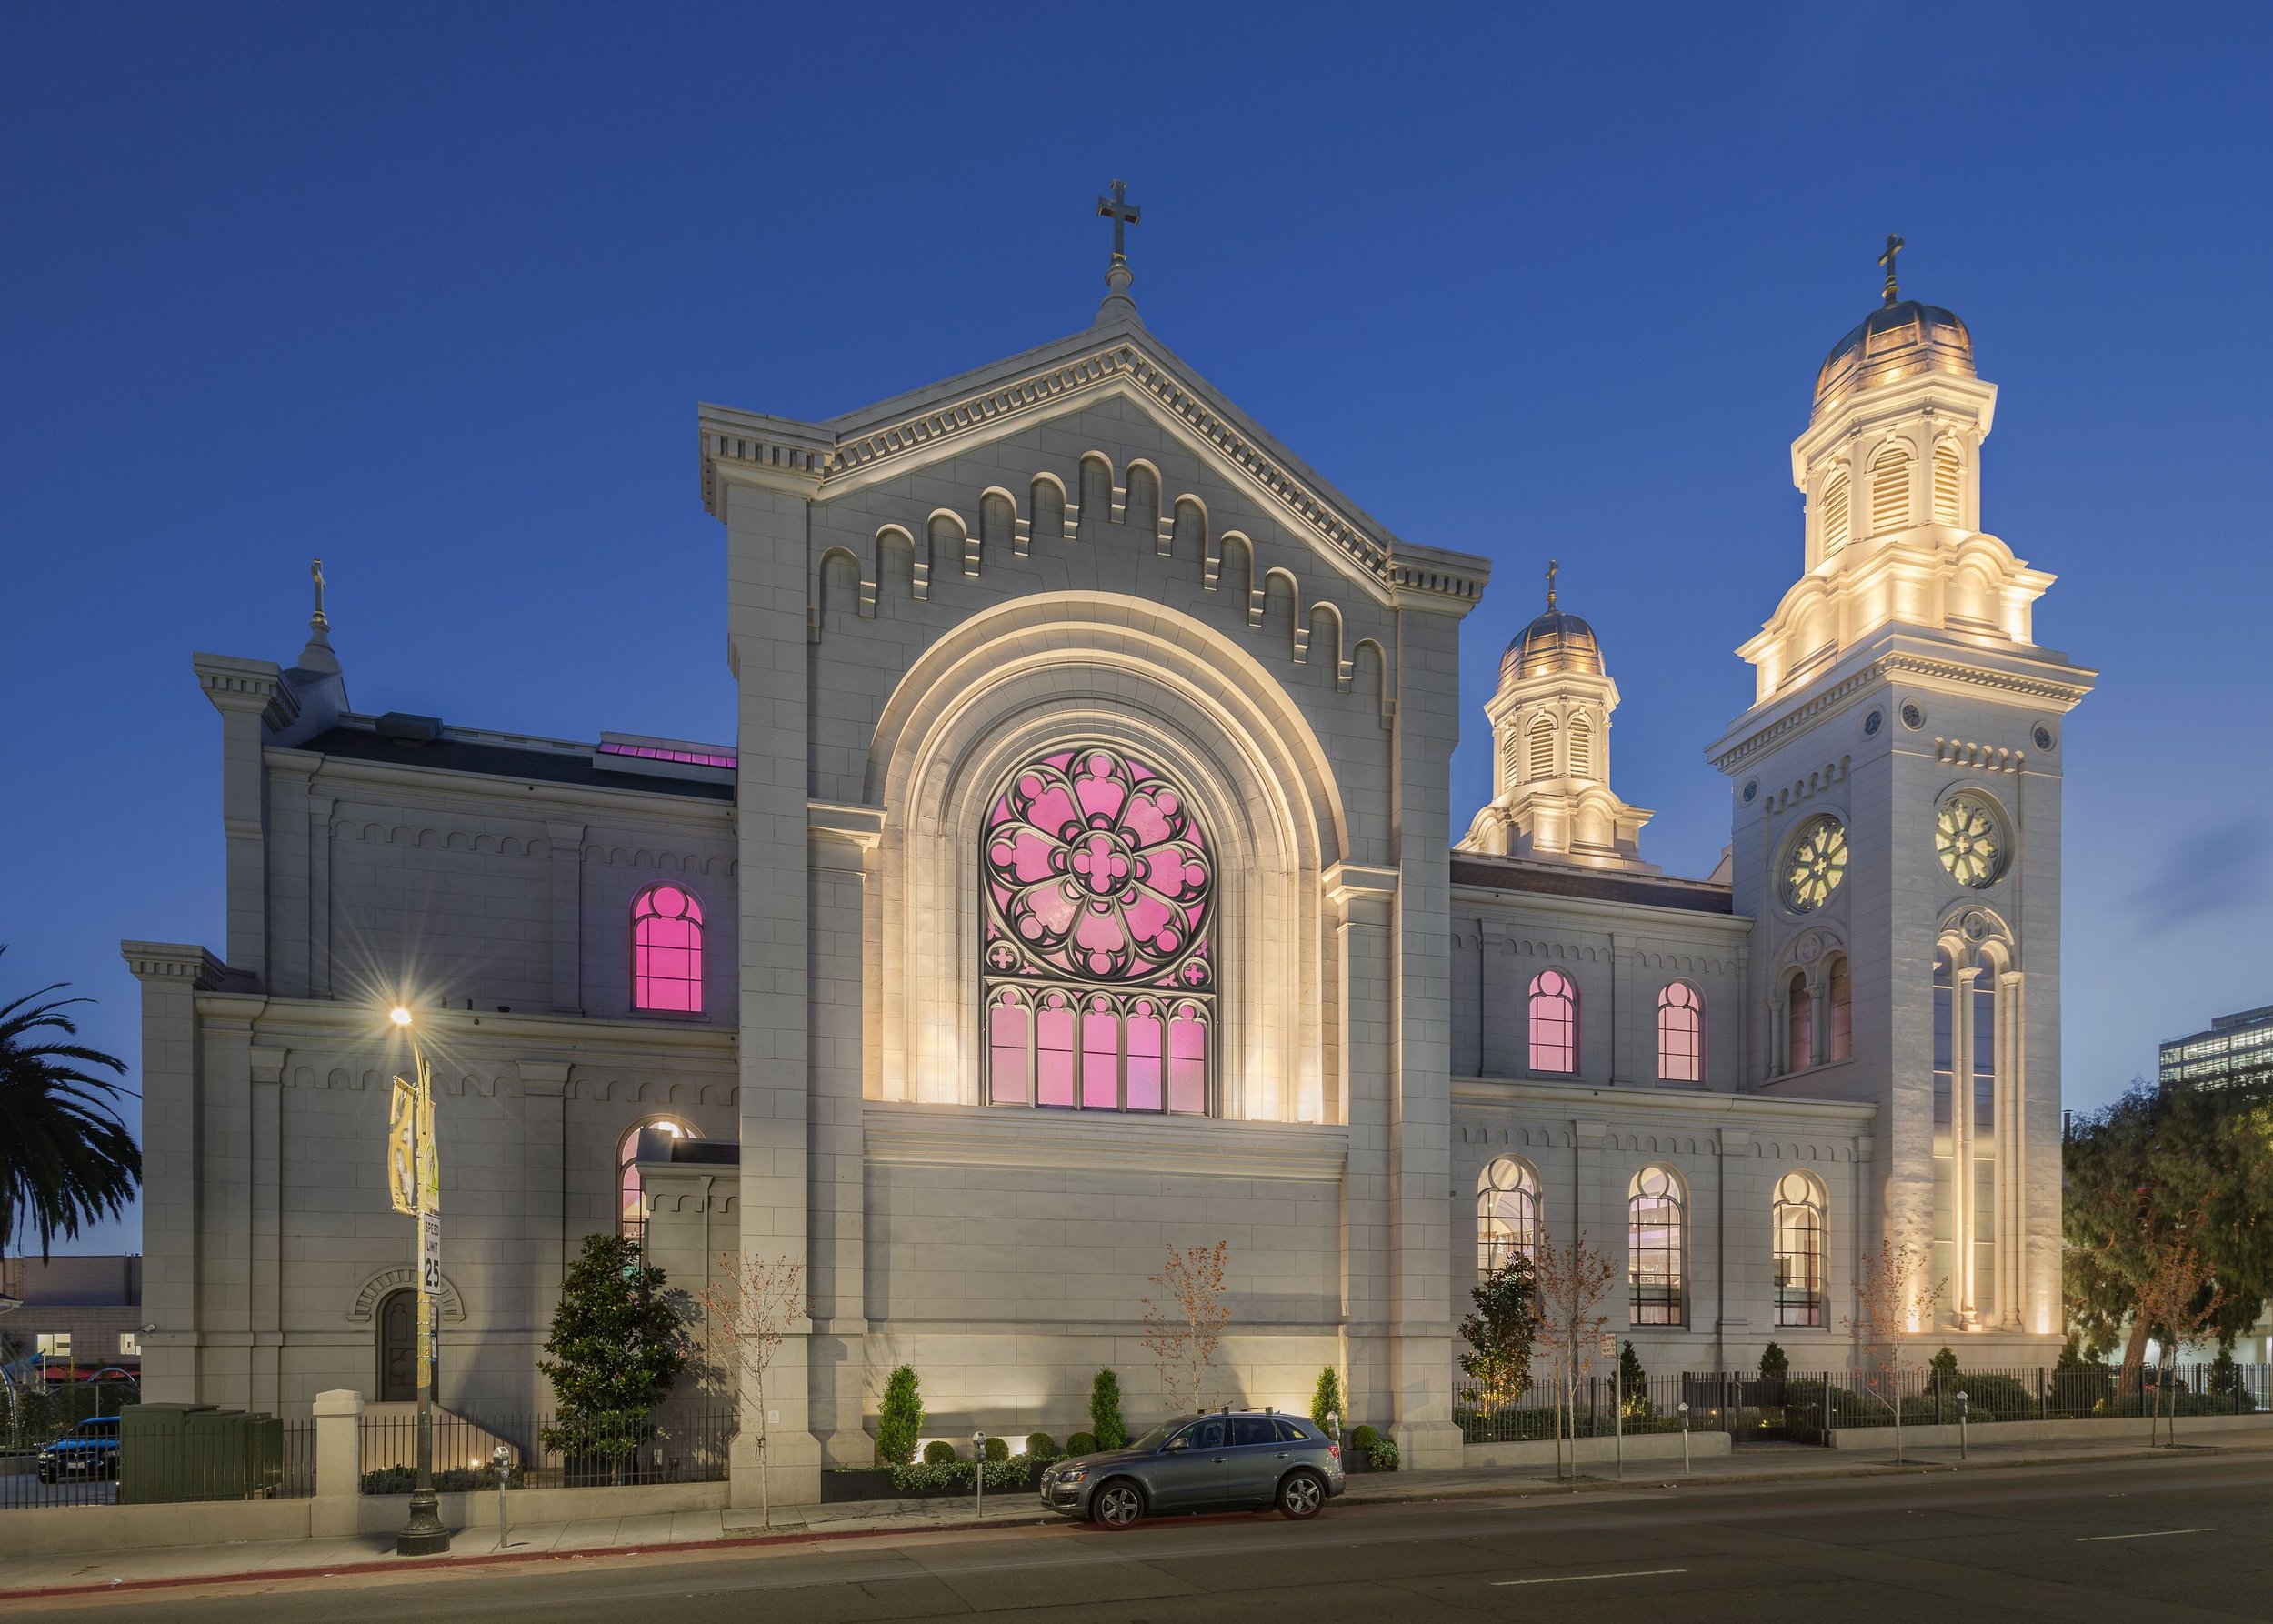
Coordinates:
(1082, 880)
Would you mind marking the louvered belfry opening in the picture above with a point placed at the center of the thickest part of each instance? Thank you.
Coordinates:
(1948, 467)
(1890, 491)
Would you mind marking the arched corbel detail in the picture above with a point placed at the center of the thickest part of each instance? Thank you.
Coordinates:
(1301, 632)
(919, 558)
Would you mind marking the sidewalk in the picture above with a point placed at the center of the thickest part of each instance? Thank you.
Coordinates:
(807, 1528)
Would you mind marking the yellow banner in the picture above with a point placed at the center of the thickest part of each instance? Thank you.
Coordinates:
(429, 1158)
(402, 1149)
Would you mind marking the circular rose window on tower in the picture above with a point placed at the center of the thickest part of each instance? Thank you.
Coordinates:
(1814, 864)
(1969, 838)
(1099, 881)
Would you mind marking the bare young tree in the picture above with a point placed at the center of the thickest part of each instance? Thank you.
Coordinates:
(2176, 1298)
(1893, 1298)
(747, 1309)
(1183, 1330)
(1570, 1282)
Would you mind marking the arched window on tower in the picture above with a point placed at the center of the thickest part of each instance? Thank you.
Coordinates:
(1656, 1241)
(1554, 1023)
(1842, 1044)
(1799, 1218)
(1945, 1038)
(1581, 748)
(1681, 1034)
(631, 1201)
(667, 951)
(1506, 1214)
(1542, 744)
(1836, 502)
(1800, 1023)
(1100, 952)
(1889, 490)
(1948, 470)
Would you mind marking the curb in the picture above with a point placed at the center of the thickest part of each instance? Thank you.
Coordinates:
(1529, 1489)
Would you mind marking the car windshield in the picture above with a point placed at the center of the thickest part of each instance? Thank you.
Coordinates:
(1156, 1437)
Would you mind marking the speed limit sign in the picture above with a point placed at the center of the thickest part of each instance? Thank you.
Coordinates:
(1609, 1345)
(430, 1253)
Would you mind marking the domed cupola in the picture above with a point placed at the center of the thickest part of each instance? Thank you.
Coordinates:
(1899, 340)
(1550, 720)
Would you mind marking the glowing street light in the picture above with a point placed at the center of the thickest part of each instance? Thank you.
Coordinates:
(413, 1178)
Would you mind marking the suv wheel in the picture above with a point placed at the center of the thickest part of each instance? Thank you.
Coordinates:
(1301, 1496)
(1118, 1505)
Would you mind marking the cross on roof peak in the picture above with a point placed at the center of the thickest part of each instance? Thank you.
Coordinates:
(1894, 247)
(1124, 214)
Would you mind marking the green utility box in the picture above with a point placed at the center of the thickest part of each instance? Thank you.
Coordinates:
(172, 1452)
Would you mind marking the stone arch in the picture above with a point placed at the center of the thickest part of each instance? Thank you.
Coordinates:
(1047, 494)
(376, 1285)
(1028, 675)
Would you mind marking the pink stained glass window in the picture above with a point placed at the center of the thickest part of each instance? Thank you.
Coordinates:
(667, 951)
(1188, 1060)
(1681, 1034)
(1007, 1041)
(1098, 883)
(1145, 1056)
(1054, 1052)
(1554, 1022)
(1100, 1055)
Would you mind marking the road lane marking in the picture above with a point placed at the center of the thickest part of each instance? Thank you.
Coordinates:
(2151, 1534)
(1572, 1579)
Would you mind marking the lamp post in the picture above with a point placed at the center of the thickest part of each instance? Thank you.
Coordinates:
(415, 1181)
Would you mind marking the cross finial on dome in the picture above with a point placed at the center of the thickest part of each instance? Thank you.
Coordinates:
(1894, 247)
(318, 655)
(1551, 567)
(1124, 214)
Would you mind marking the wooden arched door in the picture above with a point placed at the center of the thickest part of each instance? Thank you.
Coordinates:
(399, 1348)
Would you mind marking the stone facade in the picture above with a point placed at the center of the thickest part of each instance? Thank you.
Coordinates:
(1086, 548)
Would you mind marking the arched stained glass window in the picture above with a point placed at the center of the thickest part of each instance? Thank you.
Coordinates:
(1099, 919)
(667, 951)
(1554, 1022)
(631, 1201)
(1506, 1214)
(1798, 1250)
(1657, 1241)
(1681, 1034)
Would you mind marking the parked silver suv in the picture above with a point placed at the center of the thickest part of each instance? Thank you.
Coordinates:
(1228, 1460)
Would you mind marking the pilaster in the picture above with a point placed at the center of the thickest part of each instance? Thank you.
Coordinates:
(265, 1317)
(251, 695)
(566, 879)
(544, 1181)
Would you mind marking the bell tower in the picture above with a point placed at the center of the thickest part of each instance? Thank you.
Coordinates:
(1895, 826)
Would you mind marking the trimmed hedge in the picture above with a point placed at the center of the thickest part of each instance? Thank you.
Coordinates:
(1041, 1446)
(1081, 1443)
(938, 1452)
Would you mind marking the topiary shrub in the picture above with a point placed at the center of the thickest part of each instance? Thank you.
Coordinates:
(1041, 1446)
(1081, 1443)
(998, 1449)
(1944, 1364)
(1381, 1455)
(1774, 1363)
(1364, 1437)
(1105, 1411)
(1327, 1399)
(938, 1452)
(899, 1418)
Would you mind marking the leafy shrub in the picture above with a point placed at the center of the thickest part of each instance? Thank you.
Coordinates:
(403, 1480)
(998, 1449)
(1364, 1437)
(938, 1452)
(1105, 1424)
(899, 1418)
(1774, 1363)
(1081, 1443)
(1381, 1455)
(1328, 1400)
(958, 1477)
(1041, 1446)
(1944, 1364)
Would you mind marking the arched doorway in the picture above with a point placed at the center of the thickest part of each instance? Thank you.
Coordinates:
(399, 1348)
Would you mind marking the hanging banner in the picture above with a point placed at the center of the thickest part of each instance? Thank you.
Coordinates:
(402, 1149)
(429, 1158)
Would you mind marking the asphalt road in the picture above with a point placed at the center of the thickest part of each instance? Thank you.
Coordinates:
(2176, 1539)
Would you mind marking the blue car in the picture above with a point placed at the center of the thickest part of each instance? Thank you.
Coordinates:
(90, 1450)
(1220, 1461)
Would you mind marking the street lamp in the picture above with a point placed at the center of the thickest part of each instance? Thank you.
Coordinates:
(414, 1182)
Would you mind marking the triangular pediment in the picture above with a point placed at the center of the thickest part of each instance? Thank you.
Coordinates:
(1119, 358)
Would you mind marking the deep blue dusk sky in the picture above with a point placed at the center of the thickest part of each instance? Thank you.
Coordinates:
(433, 292)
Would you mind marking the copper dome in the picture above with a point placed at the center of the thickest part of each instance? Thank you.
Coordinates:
(1892, 342)
(1555, 642)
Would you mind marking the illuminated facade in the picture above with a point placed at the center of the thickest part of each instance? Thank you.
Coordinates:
(1082, 880)
(2236, 1052)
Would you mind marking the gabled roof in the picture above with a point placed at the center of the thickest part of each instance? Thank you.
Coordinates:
(1118, 355)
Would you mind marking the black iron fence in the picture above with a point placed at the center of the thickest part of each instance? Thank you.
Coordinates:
(111, 1460)
(674, 1444)
(1806, 1408)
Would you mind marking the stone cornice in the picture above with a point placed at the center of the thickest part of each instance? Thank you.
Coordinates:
(1765, 726)
(1604, 913)
(1003, 1137)
(243, 684)
(1568, 1099)
(175, 961)
(563, 1039)
(851, 451)
(551, 797)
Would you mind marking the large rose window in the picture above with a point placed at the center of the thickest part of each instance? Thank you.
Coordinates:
(1098, 881)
